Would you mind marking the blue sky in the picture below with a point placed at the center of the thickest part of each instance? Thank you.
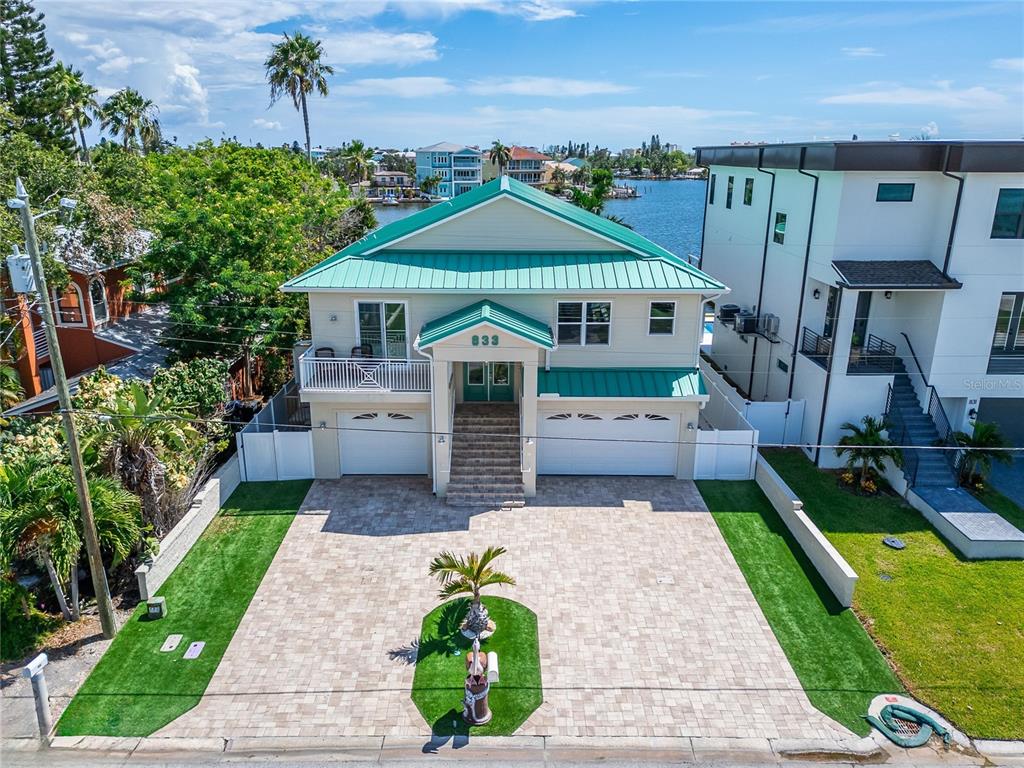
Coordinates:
(546, 71)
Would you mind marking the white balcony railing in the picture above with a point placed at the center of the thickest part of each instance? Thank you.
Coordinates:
(356, 374)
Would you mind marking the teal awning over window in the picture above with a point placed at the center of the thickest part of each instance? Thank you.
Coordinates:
(620, 382)
(490, 312)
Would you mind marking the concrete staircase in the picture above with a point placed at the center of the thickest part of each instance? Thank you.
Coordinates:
(485, 468)
(912, 425)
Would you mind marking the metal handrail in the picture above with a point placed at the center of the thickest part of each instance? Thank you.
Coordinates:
(816, 347)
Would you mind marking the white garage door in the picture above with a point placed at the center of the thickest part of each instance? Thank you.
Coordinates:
(383, 443)
(602, 454)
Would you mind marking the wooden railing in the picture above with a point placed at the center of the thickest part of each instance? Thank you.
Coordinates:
(341, 374)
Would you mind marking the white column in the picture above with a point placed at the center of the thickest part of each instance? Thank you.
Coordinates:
(528, 411)
(440, 408)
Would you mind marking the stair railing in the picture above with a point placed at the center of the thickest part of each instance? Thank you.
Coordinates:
(897, 429)
(939, 418)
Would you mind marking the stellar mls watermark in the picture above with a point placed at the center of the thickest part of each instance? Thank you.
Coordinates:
(992, 384)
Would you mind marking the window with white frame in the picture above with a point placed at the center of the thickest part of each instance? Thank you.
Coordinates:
(584, 322)
(661, 318)
(98, 299)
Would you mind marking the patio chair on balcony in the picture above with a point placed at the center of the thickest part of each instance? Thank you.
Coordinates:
(325, 352)
(362, 350)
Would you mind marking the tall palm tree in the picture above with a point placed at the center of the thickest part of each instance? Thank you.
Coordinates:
(128, 114)
(867, 448)
(295, 68)
(500, 155)
(358, 159)
(39, 516)
(467, 576)
(77, 102)
(981, 448)
(139, 427)
(429, 184)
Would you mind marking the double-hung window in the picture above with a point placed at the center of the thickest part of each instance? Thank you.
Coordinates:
(584, 322)
(661, 319)
(1008, 222)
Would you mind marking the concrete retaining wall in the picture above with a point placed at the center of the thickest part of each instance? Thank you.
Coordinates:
(183, 536)
(837, 573)
(973, 549)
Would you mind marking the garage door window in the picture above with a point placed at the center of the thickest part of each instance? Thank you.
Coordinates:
(584, 322)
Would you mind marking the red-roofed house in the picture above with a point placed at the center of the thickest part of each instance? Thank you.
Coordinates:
(526, 165)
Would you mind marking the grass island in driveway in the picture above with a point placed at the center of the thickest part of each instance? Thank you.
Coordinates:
(136, 689)
(953, 628)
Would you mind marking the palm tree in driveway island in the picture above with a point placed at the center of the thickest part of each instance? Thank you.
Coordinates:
(467, 576)
(295, 67)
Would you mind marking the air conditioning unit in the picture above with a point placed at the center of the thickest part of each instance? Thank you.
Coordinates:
(769, 325)
(746, 322)
(727, 312)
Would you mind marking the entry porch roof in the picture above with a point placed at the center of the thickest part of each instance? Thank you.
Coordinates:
(481, 312)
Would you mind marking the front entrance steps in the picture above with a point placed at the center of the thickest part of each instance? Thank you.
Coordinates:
(486, 464)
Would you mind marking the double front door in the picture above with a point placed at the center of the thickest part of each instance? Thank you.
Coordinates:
(488, 382)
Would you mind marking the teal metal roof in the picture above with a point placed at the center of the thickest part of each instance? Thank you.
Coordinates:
(485, 311)
(505, 271)
(620, 382)
(336, 272)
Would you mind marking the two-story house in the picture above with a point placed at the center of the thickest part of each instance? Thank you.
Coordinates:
(875, 278)
(501, 335)
(525, 165)
(456, 167)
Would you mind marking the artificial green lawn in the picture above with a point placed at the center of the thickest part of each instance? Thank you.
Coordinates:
(437, 686)
(836, 661)
(953, 628)
(136, 689)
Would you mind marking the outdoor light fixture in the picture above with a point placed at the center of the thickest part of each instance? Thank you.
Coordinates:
(817, 293)
(323, 425)
(689, 427)
(440, 439)
(529, 441)
(888, 294)
(332, 317)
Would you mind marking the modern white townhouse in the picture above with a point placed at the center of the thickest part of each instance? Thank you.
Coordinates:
(873, 278)
(501, 335)
(457, 168)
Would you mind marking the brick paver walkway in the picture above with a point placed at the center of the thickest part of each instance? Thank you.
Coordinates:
(647, 627)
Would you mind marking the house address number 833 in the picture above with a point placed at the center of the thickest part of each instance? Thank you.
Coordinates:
(486, 341)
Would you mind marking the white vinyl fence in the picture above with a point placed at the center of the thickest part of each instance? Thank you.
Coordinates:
(278, 443)
(727, 451)
(778, 422)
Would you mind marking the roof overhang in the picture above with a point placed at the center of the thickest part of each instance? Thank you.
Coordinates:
(485, 313)
(893, 275)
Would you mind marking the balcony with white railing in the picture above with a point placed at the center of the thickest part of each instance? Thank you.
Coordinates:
(362, 374)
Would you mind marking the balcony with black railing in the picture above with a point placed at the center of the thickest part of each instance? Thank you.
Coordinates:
(816, 348)
(877, 357)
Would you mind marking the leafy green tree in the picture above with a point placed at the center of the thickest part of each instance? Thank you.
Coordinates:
(133, 117)
(39, 516)
(11, 392)
(558, 180)
(982, 447)
(358, 160)
(199, 385)
(26, 73)
(76, 101)
(500, 155)
(295, 67)
(233, 224)
(429, 184)
(467, 576)
(593, 199)
(866, 448)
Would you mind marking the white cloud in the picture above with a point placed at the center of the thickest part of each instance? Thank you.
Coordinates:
(941, 94)
(397, 87)
(545, 11)
(1014, 65)
(930, 130)
(543, 86)
(861, 52)
(377, 47)
(269, 125)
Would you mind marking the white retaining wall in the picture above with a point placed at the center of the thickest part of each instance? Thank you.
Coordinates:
(183, 536)
(836, 572)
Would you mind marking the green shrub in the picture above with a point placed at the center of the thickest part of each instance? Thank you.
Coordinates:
(19, 633)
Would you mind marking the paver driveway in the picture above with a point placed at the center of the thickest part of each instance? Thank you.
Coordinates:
(647, 627)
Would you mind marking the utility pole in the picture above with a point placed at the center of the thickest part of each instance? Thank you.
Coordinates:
(92, 543)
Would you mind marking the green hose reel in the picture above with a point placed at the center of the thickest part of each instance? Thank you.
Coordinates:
(888, 723)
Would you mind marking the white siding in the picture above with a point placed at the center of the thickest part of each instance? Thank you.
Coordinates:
(506, 225)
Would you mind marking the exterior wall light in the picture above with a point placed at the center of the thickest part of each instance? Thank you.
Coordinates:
(817, 293)
(440, 440)
(323, 425)
(888, 294)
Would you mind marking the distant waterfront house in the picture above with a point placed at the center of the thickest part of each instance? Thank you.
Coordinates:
(526, 165)
(319, 153)
(457, 167)
(391, 183)
(577, 162)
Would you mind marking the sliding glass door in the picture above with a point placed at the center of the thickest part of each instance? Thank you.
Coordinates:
(382, 329)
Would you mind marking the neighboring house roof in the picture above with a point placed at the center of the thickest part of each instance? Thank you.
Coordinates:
(363, 265)
(140, 334)
(526, 153)
(70, 248)
(880, 274)
(620, 382)
(486, 311)
(447, 146)
(576, 162)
